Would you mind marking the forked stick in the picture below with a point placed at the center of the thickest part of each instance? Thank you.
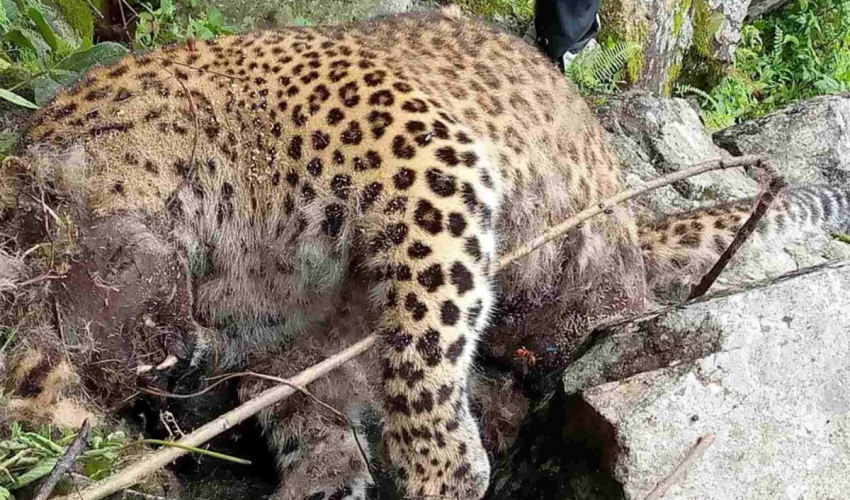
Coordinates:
(160, 458)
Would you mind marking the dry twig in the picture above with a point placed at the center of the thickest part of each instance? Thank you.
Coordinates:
(65, 463)
(692, 456)
(606, 205)
(134, 473)
(154, 461)
(764, 201)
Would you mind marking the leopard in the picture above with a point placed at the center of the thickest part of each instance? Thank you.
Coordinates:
(308, 187)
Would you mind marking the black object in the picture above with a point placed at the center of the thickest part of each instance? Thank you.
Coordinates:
(564, 25)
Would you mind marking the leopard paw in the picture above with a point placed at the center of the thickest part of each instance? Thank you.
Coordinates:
(446, 460)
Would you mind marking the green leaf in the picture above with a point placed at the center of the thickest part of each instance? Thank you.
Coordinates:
(16, 99)
(45, 88)
(101, 54)
(841, 237)
(18, 38)
(10, 9)
(12, 445)
(42, 442)
(8, 139)
(5, 494)
(214, 16)
(41, 469)
(44, 28)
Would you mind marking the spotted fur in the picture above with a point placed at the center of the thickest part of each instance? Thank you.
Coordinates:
(396, 158)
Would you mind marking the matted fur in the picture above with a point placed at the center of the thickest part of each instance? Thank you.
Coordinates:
(354, 179)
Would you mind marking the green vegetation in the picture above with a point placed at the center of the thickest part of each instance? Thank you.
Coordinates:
(799, 52)
(37, 57)
(168, 24)
(520, 11)
(26, 457)
(44, 47)
(625, 22)
(601, 69)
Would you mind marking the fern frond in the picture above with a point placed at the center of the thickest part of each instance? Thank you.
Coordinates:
(683, 88)
(778, 42)
(598, 66)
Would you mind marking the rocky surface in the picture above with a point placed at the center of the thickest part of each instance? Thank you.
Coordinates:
(809, 141)
(759, 7)
(763, 369)
(655, 136)
(769, 381)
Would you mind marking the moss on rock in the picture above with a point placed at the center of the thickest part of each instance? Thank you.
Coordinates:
(625, 21)
(700, 68)
(79, 16)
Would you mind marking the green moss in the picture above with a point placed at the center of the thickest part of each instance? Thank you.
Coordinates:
(625, 21)
(79, 17)
(682, 8)
(699, 67)
(522, 10)
(672, 76)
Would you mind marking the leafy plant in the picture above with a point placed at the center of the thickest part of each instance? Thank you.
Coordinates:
(599, 69)
(797, 53)
(35, 61)
(29, 456)
(164, 24)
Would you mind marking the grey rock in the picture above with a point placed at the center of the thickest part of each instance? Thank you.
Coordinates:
(726, 38)
(808, 141)
(765, 370)
(655, 136)
(759, 7)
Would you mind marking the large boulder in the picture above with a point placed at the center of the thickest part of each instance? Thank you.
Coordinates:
(809, 141)
(759, 7)
(763, 369)
(655, 136)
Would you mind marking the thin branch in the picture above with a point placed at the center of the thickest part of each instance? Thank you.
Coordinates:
(606, 205)
(696, 452)
(773, 189)
(154, 461)
(37, 279)
(65, 463)
(136, 472)
(164, 394)
(279, 380)
(217, 73)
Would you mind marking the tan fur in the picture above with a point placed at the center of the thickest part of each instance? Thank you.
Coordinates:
(321, 184)
(487, 147)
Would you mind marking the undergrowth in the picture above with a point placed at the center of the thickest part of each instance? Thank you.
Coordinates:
(599, 70)
(27, 456)
(799, 52)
